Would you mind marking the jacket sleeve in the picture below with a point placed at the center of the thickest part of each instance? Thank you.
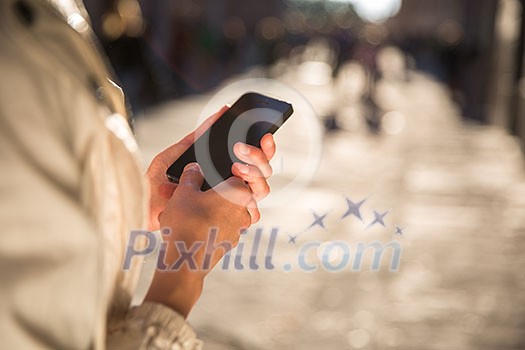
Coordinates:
(153, 326)
(150, 325)
(59, 257)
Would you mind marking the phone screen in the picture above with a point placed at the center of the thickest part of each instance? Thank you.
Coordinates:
(248, 120)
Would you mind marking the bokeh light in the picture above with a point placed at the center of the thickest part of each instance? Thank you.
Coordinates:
(376, 10)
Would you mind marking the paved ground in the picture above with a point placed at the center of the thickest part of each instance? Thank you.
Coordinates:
(458, 189)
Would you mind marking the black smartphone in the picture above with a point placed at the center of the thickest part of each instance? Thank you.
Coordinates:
(251, 117)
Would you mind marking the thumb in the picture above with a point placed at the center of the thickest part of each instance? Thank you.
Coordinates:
(192, 177)
(166, 189)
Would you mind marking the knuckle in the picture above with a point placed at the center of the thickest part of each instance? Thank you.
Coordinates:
(247, 219)
(265, 190)
(235, 240)
(243, 217)
(240, 190)
(269, 171)
(259, 156)
(255, 214)
(246, 195)
(260, 190)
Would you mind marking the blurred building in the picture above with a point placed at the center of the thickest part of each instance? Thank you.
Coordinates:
(454, 41)
(507, 86)
(167, 49)
(477, 47)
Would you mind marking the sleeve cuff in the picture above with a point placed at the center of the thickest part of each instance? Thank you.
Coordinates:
(153, 326)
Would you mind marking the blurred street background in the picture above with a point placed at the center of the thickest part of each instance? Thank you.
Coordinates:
(421, 106)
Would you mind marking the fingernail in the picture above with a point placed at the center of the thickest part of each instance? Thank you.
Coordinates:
(244, 169)
(194, 166)
(244, 149)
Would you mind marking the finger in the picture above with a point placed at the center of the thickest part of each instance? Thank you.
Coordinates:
(254, 212)
(192, 177)
(234, 190)
(253, 156)
(246, 172)
(246, 219)
(268, 146)
(173, 152)
(166, 189)
(253, 177)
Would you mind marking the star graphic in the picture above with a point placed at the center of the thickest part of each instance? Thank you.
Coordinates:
(400, 230)
(353, 209)
(318, 220)
(292, 239)
(379, 219)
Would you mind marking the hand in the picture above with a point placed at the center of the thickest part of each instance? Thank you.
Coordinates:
(255, 172)
(190, 214)
(160, 188)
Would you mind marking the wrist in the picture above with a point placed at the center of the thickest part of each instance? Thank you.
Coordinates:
(178, 290)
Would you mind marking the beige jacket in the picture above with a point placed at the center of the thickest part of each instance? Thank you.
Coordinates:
(71, 191)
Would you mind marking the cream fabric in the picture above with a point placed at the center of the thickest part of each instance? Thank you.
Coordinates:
(71, 191)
